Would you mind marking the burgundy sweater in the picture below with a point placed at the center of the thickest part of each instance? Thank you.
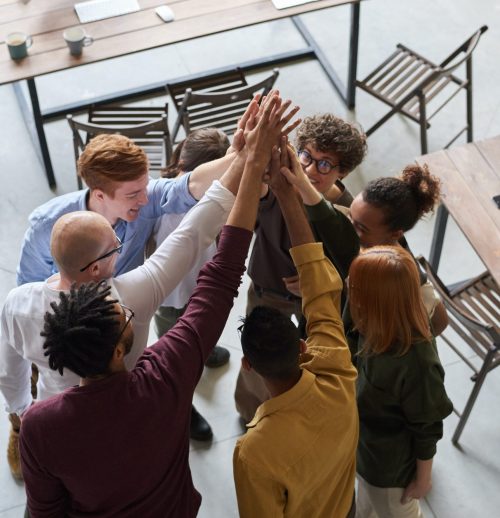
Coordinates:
(119, 447)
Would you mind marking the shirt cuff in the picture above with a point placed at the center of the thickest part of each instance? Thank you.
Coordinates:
(319, 211)
(220, 195)
(307, 253)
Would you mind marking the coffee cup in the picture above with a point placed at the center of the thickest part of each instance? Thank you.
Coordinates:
(76, 40)
(18, 44)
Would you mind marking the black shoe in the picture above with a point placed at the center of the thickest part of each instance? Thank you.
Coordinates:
(199, 428)
(218, 357)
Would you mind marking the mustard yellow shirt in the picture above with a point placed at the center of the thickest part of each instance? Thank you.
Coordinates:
(298, 457)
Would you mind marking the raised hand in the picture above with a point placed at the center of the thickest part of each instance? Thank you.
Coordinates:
(270, 121)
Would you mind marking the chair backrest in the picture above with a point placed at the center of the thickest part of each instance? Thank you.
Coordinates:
(217, 82)
(473, 310)
(443, 72)
(467, 48)
(220, 107)
(150, 134)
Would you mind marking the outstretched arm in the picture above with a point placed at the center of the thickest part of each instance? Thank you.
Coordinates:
(195, 334)
(202, 176)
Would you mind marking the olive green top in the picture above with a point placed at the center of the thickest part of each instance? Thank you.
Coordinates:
(402, 403)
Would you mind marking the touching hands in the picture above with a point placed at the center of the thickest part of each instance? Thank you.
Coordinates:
(269, 123)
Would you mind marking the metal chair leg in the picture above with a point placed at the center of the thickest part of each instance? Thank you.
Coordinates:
(423, 124)
(473, 395)
(469, 101)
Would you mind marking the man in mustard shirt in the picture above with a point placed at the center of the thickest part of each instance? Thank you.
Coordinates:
(298, 455)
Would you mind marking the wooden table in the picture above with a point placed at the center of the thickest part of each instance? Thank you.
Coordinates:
(46, 20)
(470, 177)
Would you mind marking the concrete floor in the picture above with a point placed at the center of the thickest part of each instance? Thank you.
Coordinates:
(464, 478)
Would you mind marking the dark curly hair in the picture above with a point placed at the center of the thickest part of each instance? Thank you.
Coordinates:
(200, 146)
(405, 199)
(82, 332)
(270, 342)
(328, 133)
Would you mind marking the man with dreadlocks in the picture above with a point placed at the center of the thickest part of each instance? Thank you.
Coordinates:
(118, 444)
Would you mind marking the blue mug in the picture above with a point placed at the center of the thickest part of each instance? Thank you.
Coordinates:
(18, 44)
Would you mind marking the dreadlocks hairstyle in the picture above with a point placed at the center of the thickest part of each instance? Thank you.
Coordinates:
(271, 343)
(82, 332)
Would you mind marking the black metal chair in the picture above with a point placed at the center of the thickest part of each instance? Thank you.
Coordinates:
(216, 100)
(146, 126)
(408, 82)
(474, 316)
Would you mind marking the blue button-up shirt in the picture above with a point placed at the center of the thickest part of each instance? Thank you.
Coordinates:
(165, 196)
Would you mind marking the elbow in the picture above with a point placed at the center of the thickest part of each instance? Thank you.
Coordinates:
(439, 319)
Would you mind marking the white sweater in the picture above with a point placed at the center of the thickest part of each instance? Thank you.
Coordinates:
(142, 289)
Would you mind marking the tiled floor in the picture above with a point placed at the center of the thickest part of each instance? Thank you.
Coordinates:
(466, 479)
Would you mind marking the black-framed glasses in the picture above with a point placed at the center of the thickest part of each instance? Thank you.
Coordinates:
(116, 250)
(129, 315)
(322, 166)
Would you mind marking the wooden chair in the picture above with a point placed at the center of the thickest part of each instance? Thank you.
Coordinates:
(216, 100)
(408, 83)
(474, 316)
(146, 126)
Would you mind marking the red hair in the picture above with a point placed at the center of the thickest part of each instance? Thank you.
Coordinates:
(385, 301)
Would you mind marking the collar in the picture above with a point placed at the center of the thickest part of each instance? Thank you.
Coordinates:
(288, 398)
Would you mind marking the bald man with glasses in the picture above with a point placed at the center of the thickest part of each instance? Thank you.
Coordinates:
(86, 248)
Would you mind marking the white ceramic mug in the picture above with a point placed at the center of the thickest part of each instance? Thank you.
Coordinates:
(18, 44)
(76, 39)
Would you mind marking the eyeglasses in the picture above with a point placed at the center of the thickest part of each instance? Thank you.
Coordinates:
(323, 166)
(129, 315)
(116, 250)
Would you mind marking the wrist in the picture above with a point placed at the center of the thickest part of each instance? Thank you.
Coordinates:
(309, 195)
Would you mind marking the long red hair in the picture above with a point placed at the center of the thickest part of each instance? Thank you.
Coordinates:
(385, 301)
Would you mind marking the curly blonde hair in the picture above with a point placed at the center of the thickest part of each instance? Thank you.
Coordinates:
(328, 133)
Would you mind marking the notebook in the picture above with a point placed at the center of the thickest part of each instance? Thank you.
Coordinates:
(100, 9)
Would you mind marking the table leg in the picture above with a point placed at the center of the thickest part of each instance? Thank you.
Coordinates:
(438, 237)
(34, 122)
(348, 94)
(353, 55)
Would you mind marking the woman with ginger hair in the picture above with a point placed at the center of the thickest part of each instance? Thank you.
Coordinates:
(400, 389)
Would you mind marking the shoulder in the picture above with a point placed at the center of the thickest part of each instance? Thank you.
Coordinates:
(15, 302)
(50, 211)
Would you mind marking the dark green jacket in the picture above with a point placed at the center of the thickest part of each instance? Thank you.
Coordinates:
(402, 403)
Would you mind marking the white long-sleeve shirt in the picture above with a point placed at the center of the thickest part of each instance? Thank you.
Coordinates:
(142, 289)
(180, 295)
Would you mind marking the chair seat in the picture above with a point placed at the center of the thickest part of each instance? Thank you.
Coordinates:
(474, 316)
(397, 76)
(480, 298)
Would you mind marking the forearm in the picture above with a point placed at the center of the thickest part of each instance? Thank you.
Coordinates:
(309, 195)
(232, 177)
(203, 176)
(244, 212)
(295, 218)
(336, 232)
(424, 470)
